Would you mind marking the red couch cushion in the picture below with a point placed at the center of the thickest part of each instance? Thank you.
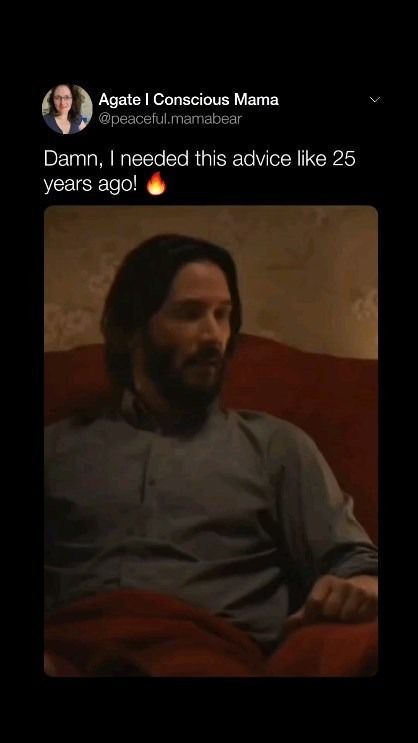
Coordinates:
(333, 399)
(74, 381)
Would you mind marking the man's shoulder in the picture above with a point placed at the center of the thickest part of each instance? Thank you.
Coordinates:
(280, 440)
(64, 429)
(60, 427)
(71, 425)
(259, 418)
(77, 430)
(270, 427)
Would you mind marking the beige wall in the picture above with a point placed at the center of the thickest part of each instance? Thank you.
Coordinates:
(308, 275)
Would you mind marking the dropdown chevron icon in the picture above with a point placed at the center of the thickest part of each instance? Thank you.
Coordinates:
(375, 99)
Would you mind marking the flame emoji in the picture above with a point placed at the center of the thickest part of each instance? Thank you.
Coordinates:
(156, 185)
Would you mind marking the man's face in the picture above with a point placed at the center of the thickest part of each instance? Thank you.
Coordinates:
(186, 340)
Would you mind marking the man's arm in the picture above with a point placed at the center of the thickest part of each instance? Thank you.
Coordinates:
(329, 551)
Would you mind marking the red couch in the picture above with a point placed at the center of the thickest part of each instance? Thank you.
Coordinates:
(333, 399)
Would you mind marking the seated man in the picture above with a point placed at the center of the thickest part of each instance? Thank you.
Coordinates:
(164, 502)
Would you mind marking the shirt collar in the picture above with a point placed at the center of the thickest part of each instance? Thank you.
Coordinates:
(137, 416)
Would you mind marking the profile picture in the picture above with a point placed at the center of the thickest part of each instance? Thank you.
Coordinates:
(67, 108)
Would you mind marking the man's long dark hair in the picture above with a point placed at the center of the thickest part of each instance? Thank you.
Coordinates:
(141, 286)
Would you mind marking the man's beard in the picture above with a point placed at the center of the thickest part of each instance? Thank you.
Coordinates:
(173, 384)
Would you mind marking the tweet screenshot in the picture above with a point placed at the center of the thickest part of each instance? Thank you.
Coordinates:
(210, 380)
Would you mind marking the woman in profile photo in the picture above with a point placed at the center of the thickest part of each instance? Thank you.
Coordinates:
(64, 116)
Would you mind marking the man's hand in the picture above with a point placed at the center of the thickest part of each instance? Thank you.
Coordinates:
(338, 600)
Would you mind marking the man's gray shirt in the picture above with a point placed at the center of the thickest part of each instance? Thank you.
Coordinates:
(239, 516)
